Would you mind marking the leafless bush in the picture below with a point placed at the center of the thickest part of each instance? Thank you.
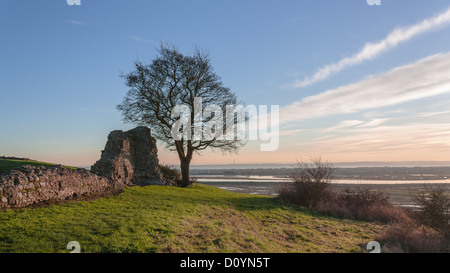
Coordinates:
(363, 197)
(310, 184)
(362, 204)
(426, 230)
(434, 208)
(367, 204)
(311, 187)
(411, 237)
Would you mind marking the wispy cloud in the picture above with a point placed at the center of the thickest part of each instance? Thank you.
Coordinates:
(374, 122)
(425, 78)
(344, 124)
(349, 124)
(429, 114)
(372, 50)
(408, 138)
(139, 39)
(76, 22)
(380, 114)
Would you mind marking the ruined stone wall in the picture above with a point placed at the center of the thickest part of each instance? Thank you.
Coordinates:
(30, 185)
(129, 159)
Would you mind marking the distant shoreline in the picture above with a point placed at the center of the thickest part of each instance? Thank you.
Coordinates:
(272, 179)
(336, 164)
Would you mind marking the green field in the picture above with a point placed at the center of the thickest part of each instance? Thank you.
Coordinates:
(200, 219)
(167, 219)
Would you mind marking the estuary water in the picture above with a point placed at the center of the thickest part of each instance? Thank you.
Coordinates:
(274, 179)
(399, 190)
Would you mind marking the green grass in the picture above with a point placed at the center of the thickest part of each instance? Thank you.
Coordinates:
(7, 164)
(200, 218)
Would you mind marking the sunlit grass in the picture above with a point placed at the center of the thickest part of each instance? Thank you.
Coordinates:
(168, 219)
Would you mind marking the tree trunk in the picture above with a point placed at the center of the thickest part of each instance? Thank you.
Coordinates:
(186, 180)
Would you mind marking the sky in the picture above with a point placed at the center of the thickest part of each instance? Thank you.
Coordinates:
(353, 82)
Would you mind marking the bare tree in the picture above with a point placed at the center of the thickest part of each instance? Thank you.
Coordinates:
(170, 80)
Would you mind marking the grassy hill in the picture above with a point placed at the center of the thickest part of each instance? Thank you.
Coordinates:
(200, 218)
(168, 219)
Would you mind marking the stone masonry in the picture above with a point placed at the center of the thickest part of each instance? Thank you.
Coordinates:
(30, 185)
(129, 159)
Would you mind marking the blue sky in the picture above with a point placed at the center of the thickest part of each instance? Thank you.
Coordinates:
(354, 82)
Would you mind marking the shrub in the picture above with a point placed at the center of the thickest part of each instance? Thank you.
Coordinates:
(311, 187)
(434, 208)
(310, 184)
(362, 204)
(427, 230)
(409, 236)
(367, 204)
(171, 175)
(363, 197)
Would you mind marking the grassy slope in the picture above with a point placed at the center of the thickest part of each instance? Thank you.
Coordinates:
(167, 219)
